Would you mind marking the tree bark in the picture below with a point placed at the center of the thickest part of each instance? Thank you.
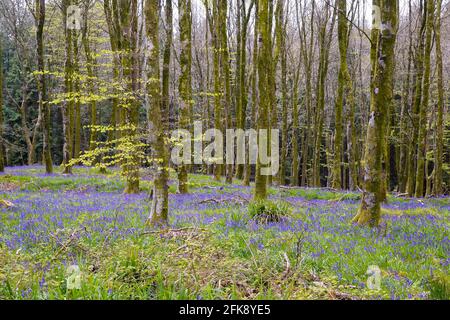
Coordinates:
(382, 58)
(91, 61)
(419, 75)
(282, 52)
(342, 84)
(185, 84)
(42, 87)
(67, 109)
(264, 70)
(325, 43)
(158, 117)
(423, 121)
(439, 148)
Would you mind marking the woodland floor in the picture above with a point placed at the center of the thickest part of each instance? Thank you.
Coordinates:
(213, 249)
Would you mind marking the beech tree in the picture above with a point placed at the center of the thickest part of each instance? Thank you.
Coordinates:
(264, 69)
(42, 86)
(439, 145)
(424, 101)
(157, 118)
(185, 85)
(383, 59)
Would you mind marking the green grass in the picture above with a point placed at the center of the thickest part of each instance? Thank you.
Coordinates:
(215, 250)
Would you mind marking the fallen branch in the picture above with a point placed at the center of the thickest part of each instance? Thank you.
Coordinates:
(212, 200)
(401, 195)
(172, 230)
(236, 198)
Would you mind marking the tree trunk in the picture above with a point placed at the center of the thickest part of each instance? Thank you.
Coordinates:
(226, 77)
(382, 58)
(419, 74)
(68, 86)
(295, 132)
(158, 117)
(112, 19)
(264, 70)
(185, 85)
(129, 24)
(423, 121)
(439, 148)
(254, 84)
(404, 119)
(282, 52)
(218, 109)
(42, 87)
(307, 52)
(91, 61)
(342, 84)
(325, 43)
(77, 93)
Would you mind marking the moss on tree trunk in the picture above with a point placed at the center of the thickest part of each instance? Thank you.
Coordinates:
(382, 58)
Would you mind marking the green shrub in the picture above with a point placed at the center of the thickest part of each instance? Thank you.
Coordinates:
(265, 211)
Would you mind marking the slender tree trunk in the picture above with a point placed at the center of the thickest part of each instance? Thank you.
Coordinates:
(254, 85)
(29, 137)
(240, 8)
(226, 77)
(423, 121)
(242, 90)
(272, 86)
(91, 61)
(342, 83)
(295, 131)
(68, 84)
(167, 56)
(77, 93)
(404, 119)
(264, 70)
(382, 58)
(158, 116)
(209, 44)
(112, 19)
(439, 148)
(419, 75)
(42, 87)
(130, 63)
(307, 52)
(185, 85)
(218, 93)
(325, 43)
(282, 52)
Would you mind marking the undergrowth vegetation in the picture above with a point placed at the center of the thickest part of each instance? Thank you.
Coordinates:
(265, 211)
(220, 244)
